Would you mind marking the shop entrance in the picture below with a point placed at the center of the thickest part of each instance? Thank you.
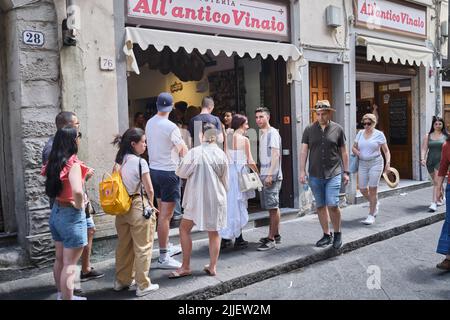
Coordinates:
(236, 84)
(391, 102)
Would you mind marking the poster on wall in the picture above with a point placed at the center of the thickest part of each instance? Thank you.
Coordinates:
(253, 19)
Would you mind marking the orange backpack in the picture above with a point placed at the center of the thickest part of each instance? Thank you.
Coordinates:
(114, 197)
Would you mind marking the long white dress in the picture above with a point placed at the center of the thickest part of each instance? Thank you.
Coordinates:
(205, 197)
(237, 202)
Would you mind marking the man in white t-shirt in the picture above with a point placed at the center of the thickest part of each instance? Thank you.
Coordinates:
(165, 147)
(271, 176)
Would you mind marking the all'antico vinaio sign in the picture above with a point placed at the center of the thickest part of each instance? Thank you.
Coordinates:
(392, 16)
(255, 19)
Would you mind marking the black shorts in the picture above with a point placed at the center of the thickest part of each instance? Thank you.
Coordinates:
(167, 185)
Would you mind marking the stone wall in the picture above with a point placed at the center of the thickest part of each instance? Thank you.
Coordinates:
(33, 87)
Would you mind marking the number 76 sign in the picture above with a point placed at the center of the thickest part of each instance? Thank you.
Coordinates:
(33, 38)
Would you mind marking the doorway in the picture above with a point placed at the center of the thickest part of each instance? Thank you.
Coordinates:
(237, 84)
(320, 86)
(391, 102)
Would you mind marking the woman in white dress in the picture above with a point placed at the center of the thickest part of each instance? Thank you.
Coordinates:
(205, 198)
(240, 156)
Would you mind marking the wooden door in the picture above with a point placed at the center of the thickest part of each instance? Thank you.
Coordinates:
(319, 85)
(395, 121)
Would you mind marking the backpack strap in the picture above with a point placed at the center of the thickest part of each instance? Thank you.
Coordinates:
(142, 189)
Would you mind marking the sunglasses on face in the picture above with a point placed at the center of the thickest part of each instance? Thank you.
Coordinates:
(367, 123)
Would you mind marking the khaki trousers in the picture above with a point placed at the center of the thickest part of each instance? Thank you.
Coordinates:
(134, 245)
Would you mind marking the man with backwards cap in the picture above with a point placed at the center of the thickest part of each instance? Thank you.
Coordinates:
(324, 142)
(165, 147)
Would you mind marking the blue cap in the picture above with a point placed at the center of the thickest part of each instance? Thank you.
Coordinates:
(164, 102)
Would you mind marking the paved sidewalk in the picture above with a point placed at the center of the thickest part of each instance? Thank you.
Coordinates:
(240, 268)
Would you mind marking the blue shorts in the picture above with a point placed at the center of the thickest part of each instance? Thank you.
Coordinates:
(69, 226)
(167, 185)
(326, 191)
(90, 223)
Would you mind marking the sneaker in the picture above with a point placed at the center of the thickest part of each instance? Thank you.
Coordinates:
(326, 240)
(444, 265)
(440, 203)
(270, 244)
(433, 207)
(91, 275)
(74, 297)
(174, 250)
(369, 220)
(168, 263)
(146, 291)
(337, 241)
(119, 286)
(240, 244)
(277, 239)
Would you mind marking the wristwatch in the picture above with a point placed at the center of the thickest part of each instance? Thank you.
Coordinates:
(347, 172)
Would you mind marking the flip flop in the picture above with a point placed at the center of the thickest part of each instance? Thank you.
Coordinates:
(208, 272)
(177, 275)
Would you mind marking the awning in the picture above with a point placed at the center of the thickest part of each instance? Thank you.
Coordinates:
(397, 51)
(190, 41)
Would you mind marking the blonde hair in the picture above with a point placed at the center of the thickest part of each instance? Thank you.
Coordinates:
(371, 117)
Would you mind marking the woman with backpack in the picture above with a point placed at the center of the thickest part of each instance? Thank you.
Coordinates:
(135, 229)
(66, 175)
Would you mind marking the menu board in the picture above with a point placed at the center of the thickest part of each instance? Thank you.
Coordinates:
(398, 121)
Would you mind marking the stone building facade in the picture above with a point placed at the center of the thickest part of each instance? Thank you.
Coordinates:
(37, 82)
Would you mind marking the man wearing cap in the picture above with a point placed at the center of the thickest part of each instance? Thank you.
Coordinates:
(165, 147)
(324, 142)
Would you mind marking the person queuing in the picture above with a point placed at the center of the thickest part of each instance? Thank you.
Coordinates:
(367, 147)
(205, 199)
(431, 158)
(271, 176)
(240, 156)
(66, 175)
(324, 143)
(135, 232)
(87, 271)
(165, 147)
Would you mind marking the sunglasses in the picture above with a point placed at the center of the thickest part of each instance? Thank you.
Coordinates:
(367, 123)
(79, 135)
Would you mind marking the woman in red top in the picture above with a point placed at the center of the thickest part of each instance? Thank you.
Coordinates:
(65, 177)
(444, 240)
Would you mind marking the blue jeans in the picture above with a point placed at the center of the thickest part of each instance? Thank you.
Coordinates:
(326, 191)
(69, 226)
(444, 239)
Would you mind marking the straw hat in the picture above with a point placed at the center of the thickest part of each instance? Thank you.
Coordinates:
(323, 105)
(392, 184)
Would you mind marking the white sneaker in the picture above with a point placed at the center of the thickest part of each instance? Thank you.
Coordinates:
(173, 250)
(59, 297)
(369, 220)
(119, 286)
(168, 263)
(146, 291)
(441, 203)
(433, 207)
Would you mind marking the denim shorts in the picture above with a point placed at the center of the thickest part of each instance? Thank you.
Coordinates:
(69, 226)
(167, 185)
(90, 223)
(326, 191)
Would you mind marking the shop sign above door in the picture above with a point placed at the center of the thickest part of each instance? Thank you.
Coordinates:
(241, 18)
(392, 16)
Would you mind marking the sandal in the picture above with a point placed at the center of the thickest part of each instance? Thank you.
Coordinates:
(208, 272)
(178, 274)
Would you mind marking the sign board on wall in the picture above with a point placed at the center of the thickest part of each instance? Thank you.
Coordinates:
(243, 18)
(392, 16)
